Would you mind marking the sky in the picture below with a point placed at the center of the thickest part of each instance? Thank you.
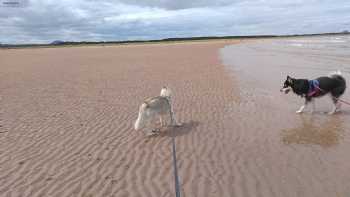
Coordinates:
(43, 21)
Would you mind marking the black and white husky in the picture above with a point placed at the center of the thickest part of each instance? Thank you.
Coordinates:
(334, 85)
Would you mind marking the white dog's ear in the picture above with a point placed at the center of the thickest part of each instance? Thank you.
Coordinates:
(165, 92)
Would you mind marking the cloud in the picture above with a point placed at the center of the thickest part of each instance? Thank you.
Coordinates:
(42, 21)
(180, 4)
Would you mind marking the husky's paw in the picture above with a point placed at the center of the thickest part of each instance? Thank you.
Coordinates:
(331, 112)
(337, 110)
(334, 110)
(299, 111)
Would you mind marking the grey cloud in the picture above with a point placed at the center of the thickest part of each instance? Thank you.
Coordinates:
(179, 4)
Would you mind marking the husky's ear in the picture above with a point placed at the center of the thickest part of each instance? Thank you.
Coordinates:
(289, 79)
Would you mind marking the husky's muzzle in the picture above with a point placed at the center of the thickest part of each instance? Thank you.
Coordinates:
(285, 90)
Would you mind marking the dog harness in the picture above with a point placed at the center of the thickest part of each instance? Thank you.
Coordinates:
(314, 88)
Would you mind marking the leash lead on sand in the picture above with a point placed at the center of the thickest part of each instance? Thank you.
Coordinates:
(176, 176)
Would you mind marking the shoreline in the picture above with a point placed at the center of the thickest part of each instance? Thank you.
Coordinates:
(132, 44)
(171, 41)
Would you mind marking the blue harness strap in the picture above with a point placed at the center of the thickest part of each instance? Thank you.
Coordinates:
(314, 87)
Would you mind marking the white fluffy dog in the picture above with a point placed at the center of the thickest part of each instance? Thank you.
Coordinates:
(154, 108)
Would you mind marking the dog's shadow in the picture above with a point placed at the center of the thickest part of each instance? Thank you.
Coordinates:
(175, 131)
(313, 131)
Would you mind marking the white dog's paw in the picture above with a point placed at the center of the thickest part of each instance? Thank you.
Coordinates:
(178, 125)
(155, 130)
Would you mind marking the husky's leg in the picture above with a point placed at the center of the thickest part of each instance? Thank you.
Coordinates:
(301, 109)
(313, 106)
(336, 106)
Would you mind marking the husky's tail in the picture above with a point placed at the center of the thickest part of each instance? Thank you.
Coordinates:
(165, 92)
(335, 73)
(338, 76)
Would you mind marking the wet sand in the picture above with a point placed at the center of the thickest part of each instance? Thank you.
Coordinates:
(67, 116)
(283, 153)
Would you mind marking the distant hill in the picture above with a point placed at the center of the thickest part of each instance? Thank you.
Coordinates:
(82, 43)
(57, 42)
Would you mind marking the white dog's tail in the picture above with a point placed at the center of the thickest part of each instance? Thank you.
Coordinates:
(165, 92)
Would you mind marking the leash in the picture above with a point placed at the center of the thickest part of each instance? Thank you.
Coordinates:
(345, 102)
(338, 99)
(176, 176)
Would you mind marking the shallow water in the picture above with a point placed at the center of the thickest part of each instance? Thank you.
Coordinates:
(288, 154)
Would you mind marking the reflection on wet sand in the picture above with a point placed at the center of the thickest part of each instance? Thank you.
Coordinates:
(315, 131)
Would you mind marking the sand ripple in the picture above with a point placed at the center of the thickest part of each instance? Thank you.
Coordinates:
(66, 121)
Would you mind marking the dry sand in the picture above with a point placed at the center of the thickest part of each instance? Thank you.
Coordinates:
(67, 118)
(67, 121)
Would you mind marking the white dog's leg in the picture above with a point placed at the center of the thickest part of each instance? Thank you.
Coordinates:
(162, 124)
(172, 117)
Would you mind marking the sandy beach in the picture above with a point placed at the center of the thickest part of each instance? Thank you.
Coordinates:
(67, 114)
(67, 119)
